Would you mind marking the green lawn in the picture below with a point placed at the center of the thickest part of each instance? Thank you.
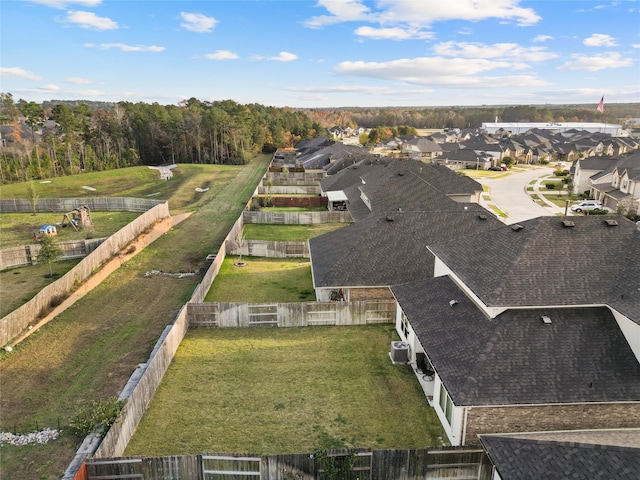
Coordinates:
(90, 350)
(288, 233)
(286, 390)
(19, 285)
(17, 229)
(263, 280)
(139, 182)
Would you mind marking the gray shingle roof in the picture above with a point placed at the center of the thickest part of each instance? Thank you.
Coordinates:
(521, 458)
(582, 356)
(377, 252)
(547, 263)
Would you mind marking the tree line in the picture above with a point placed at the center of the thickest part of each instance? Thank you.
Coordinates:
(64, 138)
(471, 116)
(67, 137)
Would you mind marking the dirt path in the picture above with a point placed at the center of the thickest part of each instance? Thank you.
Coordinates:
(136, 246)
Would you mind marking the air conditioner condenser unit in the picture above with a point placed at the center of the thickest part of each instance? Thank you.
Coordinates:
(399, 352)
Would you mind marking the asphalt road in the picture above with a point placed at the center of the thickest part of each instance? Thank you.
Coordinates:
(509, 194)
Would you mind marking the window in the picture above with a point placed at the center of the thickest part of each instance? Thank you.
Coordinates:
(446, 404)
(405, 325)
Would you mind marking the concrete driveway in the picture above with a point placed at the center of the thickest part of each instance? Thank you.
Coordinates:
(509, 194)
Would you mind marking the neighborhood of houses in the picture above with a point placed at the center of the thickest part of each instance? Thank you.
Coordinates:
(525, 338)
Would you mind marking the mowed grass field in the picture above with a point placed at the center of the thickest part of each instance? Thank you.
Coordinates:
(263, 280)
(90, 350)
(17, 229)
(288, 233)
(286, 390)
(19, 285)
(142, 182)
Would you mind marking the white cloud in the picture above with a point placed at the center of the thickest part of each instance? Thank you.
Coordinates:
(62, 4)
(284, 57)
(18, 72)
(420, 14)
(197, 22)
(78, 81)
(339, 11)
(48, 88)
(126, 48)
(438, 71)
(342, 89)
(542, 38)
(395, 33)
(593, 63)
(636, 45)
(90, 20)
(505, 51)
(221, 55)
(599, 40)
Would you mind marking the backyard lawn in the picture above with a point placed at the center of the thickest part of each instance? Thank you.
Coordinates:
(288, 233)
(19, 285)
(286, 390)
(260, 280)
(17, 229)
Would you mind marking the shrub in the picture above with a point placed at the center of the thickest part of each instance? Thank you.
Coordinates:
(596, 211)
(95, 414)
(550, 186)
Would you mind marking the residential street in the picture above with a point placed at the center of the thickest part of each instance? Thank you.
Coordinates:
(509, 194)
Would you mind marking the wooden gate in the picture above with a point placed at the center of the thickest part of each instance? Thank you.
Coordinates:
(216, 467)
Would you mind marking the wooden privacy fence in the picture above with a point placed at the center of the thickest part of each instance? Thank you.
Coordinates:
(292, 201)
(22, 205)
(301, 314)
(289, 190)
(296, 218)
(26, 255)
(411, 464)
(293, 178)
(14, 323)
(272, 249)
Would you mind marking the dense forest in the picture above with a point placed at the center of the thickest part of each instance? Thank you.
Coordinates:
(63, 138)
(57, 138)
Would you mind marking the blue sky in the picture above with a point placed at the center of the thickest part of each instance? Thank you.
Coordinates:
(322, 53)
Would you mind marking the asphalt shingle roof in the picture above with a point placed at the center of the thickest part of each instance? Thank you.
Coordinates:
(547, 263)
(515, 358)
(521, 458)
(389, 248)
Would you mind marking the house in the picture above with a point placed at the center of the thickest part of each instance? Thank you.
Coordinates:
(364, 259)
(579, 455)
(618, 187)
(585, 168)
(399, 206)
(421, 148)
(465, 158)
(519, 340)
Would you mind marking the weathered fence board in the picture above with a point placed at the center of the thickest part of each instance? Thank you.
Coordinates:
(293, 178)
(301, 314)
(296, 218)
(460, 463)
(271, 249)
(26, 255)
(289, 190)
(22, 205)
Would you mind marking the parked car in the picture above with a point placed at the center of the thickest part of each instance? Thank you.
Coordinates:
(495, 169)
(586, 205)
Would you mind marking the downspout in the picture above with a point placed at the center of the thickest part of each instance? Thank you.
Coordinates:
(464, 426)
